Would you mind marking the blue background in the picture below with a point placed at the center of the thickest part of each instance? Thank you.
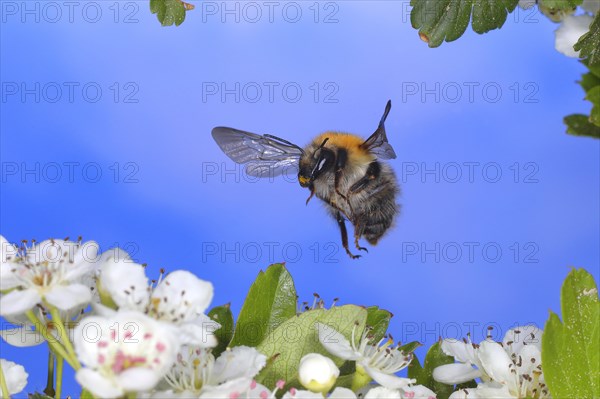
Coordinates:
(169, 210)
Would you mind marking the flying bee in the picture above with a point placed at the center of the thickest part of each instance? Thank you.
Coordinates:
(342, 169)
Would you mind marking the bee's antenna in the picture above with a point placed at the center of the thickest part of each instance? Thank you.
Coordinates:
(323, 143)
(284, 141)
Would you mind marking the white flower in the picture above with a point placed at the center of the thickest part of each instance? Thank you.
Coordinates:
(317, 373)
(511, 369)
(14, 375)
(50, 271)
(338, 393)
(197, 372)
(179, 300)
(8, 253)
(379, 362)
(127, 353)
(464, 352)
(126, 284)
(412, 392)
(26, 334)
(591, 6)
(569, 32)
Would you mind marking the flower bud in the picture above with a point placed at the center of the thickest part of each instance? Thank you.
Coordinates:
(317, 373)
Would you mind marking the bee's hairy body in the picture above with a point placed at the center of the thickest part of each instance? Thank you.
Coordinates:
(371, 209)
(342, 169)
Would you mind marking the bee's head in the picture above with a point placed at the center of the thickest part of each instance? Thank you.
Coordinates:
(314, 163)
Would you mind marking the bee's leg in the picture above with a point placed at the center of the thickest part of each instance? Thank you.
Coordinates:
(312, 193)
(340, 164)
(373, 172)
(358, 232)
(342, 224)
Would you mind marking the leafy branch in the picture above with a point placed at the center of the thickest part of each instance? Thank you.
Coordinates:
(170, 12)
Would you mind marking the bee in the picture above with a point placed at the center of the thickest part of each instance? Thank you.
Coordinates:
(342, 169)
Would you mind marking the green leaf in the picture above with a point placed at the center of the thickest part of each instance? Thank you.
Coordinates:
(589, 80)
(580, 125)
(571, 348)
(270, 301)
(378, 320)
(223, 316)
(593, 95)
(439, 20)
(168, 12)
(85, 394)
(298, 336)
(435, 357)
(588, 45)
(410, 347)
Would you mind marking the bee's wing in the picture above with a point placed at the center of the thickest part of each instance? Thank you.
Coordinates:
(378, 143)
(264, 156)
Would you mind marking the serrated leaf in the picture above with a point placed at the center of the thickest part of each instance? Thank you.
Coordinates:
(571, 348)
(588, 45)
(223, 316)
(270, 301)
(424, 374)
(447, 20)
(580, 125)
(168, 12)
(593, 95)
(298, 336)
(589, 81)
(378, 320)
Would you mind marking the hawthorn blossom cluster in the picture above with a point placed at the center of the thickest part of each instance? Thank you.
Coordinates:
(126, 335)
(508, 369)
(572, 27)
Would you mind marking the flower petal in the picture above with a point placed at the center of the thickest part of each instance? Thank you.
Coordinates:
(100, 386)
(138, 379)
(419, 392)
(456, 373)
(240, 361)
(342, 393)
(15, 376)
(200, 332)
(18, 301)
(530, 358)
(569, 32)
(227, 390)
(461, 351)
(22, 336)
(390, 381)
(496, 362)
(383, 393)
(302, 394)
(516, 338)
(182, 287)
(335, 343)
(126, 283)
(592, 6)
(67, 297)
(490, 391)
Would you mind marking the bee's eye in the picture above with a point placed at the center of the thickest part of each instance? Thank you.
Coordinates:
(321, 163)
(324, 162)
